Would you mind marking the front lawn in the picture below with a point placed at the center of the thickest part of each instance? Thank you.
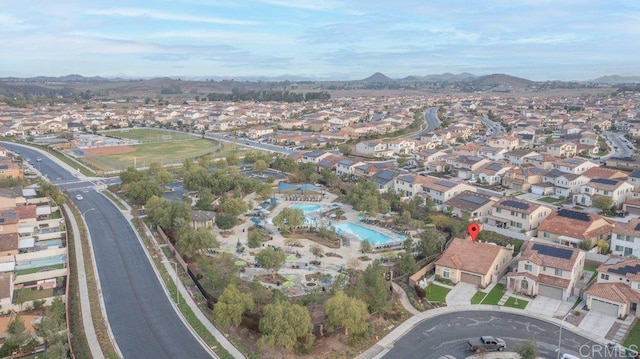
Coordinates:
(436, 293)
(590, 268)
(520, 304)
(477, 298)
(548, 200)
(494, 296)
(633, 338)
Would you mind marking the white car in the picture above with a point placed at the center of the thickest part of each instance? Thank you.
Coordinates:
(79, 197)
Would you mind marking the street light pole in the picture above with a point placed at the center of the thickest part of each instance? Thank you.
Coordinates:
(560, 335)
(175, 278)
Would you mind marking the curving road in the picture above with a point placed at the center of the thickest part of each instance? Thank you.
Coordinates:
(142, 319)
(494, 127)
(448, 334)
(432, 121)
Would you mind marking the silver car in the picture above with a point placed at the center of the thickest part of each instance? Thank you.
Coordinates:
(447, 357)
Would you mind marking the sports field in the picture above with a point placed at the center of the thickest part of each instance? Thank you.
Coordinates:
(159, 146)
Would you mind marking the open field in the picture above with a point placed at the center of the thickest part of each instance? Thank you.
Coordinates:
(149, 135)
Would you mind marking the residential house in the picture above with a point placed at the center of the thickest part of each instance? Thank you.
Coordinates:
(508, 142)
(476, 263)
(472, 205)
(617, 289)
(409, 185)
(9, 169)
(385, 179)
(492, 153)
(561, 149)
(521, 178)
(541, 161)
(517, 157)
(375, 148)
(346, 167)
(11, 197)
(491, 173)
(616, 190)
(625, 238)
(314, 156)
(402, 146)
(570, 227)
(517, 215)
(441, 190)
(574, 165)
(464, 167)
(634, 179)
(548, 270)
(565, 184)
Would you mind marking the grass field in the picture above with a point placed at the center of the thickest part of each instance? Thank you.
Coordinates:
(549, 200)
(149, 135)
(159, 146)
(477, 298)
(520, 304)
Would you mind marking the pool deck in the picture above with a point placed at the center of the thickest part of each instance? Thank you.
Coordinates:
(330, 265)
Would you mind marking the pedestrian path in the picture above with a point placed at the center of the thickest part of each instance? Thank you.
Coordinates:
(404, 300)
(504, 299)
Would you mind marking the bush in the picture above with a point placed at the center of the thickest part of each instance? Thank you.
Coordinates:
(444, 280)
(420, 292)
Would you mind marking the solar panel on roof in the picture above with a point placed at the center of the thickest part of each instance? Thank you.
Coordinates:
(580, 216)
(444, 183)
(516, 204)
(494, 166)
(626, 270)
(552, 251)
(605, 181)
(476, 200)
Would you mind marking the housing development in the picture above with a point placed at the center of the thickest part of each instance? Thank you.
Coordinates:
(330, 227)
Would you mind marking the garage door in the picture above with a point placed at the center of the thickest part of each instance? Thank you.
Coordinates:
(471, 278)
(551, 292)
(604, 307)
(632, 209)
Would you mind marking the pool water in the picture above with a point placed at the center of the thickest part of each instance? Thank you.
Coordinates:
(56, 243)
(42, 262)
(306, 208)
(364, 233)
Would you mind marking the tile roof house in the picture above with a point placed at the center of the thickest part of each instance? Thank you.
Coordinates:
(476, 263)
(574, 165)
(617, 289)
(385, 179)
(440, 190)
(570, 227)
(617, 190)
(491, 173)
(475, 205)
(565, 184)
(517, 215)
(547, 269)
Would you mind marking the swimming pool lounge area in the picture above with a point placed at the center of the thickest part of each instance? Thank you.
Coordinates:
(375, 238)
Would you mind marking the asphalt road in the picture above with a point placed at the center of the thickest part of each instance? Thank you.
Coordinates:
(432, 122)
(494, 127)
(142, 319)
(616, 140)
(448, 334)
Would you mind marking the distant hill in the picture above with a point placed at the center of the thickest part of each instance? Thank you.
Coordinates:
(502, 81)
(449, 77)
(616, 79)
(73, 78)
(378, 78)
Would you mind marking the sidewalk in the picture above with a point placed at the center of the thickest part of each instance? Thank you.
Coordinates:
(404, 300)
(87, 322)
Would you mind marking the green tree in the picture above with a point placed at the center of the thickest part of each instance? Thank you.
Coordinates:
(407, 264)
(53, 327)
(602, 203)
(372, 288)
(231, 305)
(365, 247)
(226, 221)
(233, 206)
(163, 176)
(218, 272)
(329, 178)
(528, 350)
(430, 242)
(17, 335)
(139, 192)
(272, 259)
(157, 209)
(191, 241)
(603, 246)
(346, 312)
(254, 239)
(131, 175)
(205, 201)
(47, 189)
(365, 197)
(285, 325)
(288, 219)
(316, 250)
(260, 165)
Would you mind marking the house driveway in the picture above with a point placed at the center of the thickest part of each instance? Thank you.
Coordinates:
(549, 306)
(597, 323)
(461, 294)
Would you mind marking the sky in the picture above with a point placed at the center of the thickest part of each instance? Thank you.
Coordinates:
(320, 39)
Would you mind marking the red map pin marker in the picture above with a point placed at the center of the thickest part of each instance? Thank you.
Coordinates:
(473, 229)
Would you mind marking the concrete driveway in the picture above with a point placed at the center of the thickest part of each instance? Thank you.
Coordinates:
(544, 305)
(597, 322)
(461, 294)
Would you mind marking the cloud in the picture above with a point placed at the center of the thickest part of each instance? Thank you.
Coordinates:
(9, 22)
(160, 15)
(302, 4)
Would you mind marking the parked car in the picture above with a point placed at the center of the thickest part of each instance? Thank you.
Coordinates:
(486, 343)
(79, 197)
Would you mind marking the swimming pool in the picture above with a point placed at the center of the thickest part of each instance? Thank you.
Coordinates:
(306, 208)
(42, 262)
(364, 233)
(56, 243)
